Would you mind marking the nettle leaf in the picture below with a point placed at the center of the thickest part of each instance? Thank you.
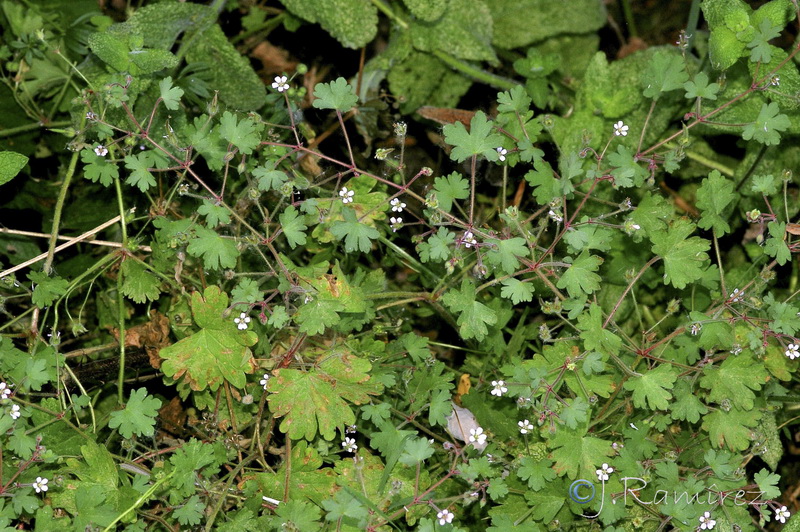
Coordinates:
(294, 226)
(139, 164)
(734, 380)
(761, 50)
(713, 197)
(449, 189)
(338, 95)
(46, 289)
(768, 125)
(665, 72)
(699, 87)
(437, 248)
(138, 417)
(98, 169)
(217, 352)
(479, 140)
(580, 278)
(516, 291)
(217, 252)
(215, 214)
(504, 253)
(683, 256)
(138, 283)
(473, 317)
(241, 133)
(353, 23)
(357, 236)
(731, 429)
(626, 171)
(775, 246)
(316, 400)
(652, 388)
(171, 96)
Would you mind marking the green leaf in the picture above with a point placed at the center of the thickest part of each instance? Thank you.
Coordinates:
(761, 51)
(317, 315)
(479, 140)
(764, 184)
(626, 171)
(665, 72)
(297, 514)
(713, 197)
(683, 256)
(595, 337)
(353, 23)
(538, 473)
(138, 417)
(768, 484)
(464, 31)
(473, 316)
(731, 428)
(11, 163)
(338, 95)
(316, 400)
(242, 134)
(775, 246)
(190, 512)
(215, 214)
(785, 316)
(437, 248)
(138, 283)
(246, 291)
(140, 176)
(504, 253)
(768, 125)
(580, 278)
(219, 351)
(652, 388)
(514, 101)
(357, 236)
(576, 412)
(188, 461)
(546, 187)
(699, 87)
(268, 177)
(516, 290)
(416, 450)
(98, 168)
(575, 454)
(171, 96)
(217, 252)
(46, 289)
(450, 188)
(294, 226)
(687, 406)
(734, 380)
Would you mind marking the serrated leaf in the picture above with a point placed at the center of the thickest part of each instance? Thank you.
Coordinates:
(665, 72)
(357, 236)
(171, 96)
(504, 253)
(651, 390)
(625, 169)
(139, 166)
(316, 400)
(241, 133)
(450, 188)
(479, 140)
(98, 169)
(217, 352)
(46, 289)
(138, 283)
(767, 484)
(337, 94)
(11, 163)
(537, 473)
(516, 290)
(699, 87)
(215, 214)
(687, 406)
(683, 256)
(731, 429)
(437, 248)
(595, 337)
(734, 381)
(294, 226)
(775, 246)
(217, 252)
(138, 417)
(713, 197)
(580, 278)
(269, 178)
(473, 317)
(576, 454)
(760, 49)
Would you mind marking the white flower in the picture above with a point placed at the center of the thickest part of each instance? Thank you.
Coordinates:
(556, 217)
(100, 150)
(40, 485)
(630, 226)
(736, 349)
(499, 388)
(5, 390)
(793, 351)
(737, 295)
(620, 129)
(469, 240)
(350, 429)
(695, 328)
(397, 205)
(776, 80)
(15, 413)
(617, 446)
(782, 515)
(242, 321)
(525, 426)
(264, 380)
(396, 223)
(445, 517)
(346, 195)
(91, 116)
(603, 472)
(280, 84)
(349, 445)
(706, 523)
(501, 153)
(477, 436)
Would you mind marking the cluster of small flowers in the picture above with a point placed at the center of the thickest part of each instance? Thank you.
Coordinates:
(5, 390)
(346, 195)
(242, 321)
